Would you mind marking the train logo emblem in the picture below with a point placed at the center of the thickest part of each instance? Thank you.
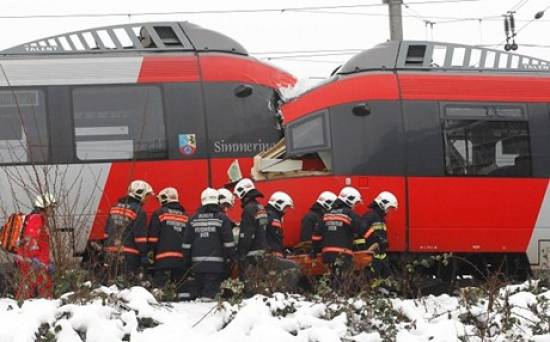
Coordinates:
(187, 144)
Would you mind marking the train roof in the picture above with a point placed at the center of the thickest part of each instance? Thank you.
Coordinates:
(438, 56)
(140, 37)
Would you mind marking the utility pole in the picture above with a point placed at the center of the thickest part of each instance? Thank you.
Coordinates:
(396, 19)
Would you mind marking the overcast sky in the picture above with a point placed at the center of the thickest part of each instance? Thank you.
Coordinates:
(292, 32)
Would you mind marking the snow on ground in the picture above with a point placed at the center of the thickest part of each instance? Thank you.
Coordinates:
(134, 314)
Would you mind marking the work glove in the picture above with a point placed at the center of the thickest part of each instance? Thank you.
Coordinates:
(145, 262)
(51, 269)
(36, 264)
(151, 257)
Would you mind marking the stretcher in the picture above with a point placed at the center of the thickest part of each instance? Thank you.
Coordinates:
(314, 266)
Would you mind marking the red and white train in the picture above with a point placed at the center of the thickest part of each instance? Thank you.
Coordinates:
(84, 113)
(458, 133)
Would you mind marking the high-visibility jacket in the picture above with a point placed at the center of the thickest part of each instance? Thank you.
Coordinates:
(208, 239)
(35, 244)
(252, 239)
(373, 231)
(36, 238)
(334, 236)
(126, 228)
(274, 232)
(310, 220)
(166, 235)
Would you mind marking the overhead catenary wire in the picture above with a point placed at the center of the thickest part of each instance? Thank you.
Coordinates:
(524, 26)
(228, 11)
(436, 19)
(519, 5)
(286, 52)
(539, 46)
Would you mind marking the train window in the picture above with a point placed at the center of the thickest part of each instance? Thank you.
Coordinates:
(309, 135)
(119, 122)
(456, 111)
(515, 113)
(23, 132)
(487, 148)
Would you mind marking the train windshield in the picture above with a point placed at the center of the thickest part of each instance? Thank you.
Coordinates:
(304, 151)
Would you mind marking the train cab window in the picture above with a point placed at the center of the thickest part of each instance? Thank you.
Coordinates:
(309, 135)
(119, 122)
(23, 132)
(491, 148)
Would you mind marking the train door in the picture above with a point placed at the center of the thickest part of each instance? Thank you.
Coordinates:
(470, 177)
(538, 250)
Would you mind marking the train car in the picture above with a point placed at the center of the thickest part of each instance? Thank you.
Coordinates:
(84, 113)
(459, 134)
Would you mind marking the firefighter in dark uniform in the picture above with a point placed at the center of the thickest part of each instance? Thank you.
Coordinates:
(315, 215)
(252, 235)
(126, 235)
(373, 233)
(209, 241)
(165, 239)
(334, 236)
(227, 201)
(277, 205)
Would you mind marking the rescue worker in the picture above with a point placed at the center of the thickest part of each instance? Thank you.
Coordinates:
(373, 234)
(209, 241)
(252, 235)
(33, 255)
(278, 204)
(126, 241)
(315, 215)
(165, 238)
(227, 200)
(334, 236)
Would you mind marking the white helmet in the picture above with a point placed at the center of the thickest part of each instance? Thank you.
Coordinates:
(280, 200)
(386, 200)
(210, 196)
(168, 195)
(243, 187)
(139, 189)
(349, 195)
(326, 198)
(226, 197)
(45, 200)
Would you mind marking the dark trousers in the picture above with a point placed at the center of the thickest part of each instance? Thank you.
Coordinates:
(380, 268)
(290, 270)
(340, 270)
(175, 275)
(122, 264)
(207, 284)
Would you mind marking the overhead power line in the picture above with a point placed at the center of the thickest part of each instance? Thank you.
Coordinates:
(312, 55)
(228, 11)
(307, 52)
(519, 5)
(540, 46)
